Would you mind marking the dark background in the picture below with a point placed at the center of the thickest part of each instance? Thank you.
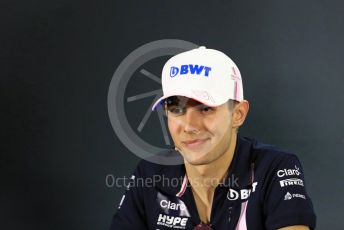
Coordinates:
(57, 60)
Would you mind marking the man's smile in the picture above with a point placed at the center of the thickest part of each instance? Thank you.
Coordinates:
(194, 143)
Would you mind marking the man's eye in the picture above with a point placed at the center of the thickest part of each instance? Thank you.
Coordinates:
(206, 109)
(177, 110)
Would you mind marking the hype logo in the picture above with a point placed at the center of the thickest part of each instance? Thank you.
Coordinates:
(190, 69)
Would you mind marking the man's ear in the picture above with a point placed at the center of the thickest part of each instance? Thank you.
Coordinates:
(239, 114)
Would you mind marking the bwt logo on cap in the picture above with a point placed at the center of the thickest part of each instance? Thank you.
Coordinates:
(190, 69)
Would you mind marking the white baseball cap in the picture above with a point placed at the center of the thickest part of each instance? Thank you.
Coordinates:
(205, 75)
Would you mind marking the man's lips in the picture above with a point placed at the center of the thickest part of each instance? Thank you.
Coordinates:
(194, 142)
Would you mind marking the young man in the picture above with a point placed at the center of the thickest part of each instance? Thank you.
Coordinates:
(229, 182)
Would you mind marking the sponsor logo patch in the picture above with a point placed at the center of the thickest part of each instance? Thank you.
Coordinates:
(289, 172)
(243, 194)
(175, 222)
(190, 69)
(172, 206)
(291, 182)
(289, 196)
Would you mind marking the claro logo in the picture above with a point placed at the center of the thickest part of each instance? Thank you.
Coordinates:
(170, 205)
(289, 172)
(190, 69)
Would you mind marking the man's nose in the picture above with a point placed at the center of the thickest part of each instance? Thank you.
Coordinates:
(192, 121)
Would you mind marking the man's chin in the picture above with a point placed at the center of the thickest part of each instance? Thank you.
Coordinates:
(197, 160)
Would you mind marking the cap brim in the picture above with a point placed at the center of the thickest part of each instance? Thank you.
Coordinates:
(215, 100)
(159, 102)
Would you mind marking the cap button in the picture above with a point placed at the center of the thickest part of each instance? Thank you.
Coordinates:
(202, 47)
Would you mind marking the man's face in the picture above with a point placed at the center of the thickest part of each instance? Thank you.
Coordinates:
(201, 133)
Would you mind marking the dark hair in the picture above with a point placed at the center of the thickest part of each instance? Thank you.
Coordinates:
(231, 104)
(174, 100)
